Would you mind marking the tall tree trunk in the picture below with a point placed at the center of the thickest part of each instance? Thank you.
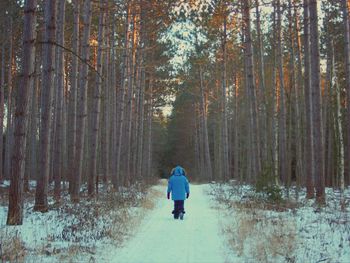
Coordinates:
(309, 153)
(295, 87)
(202, 165)
(150, 134)
(282, 111)
(121, 101)
(140, 138)
(2, 90)
(224, 139)
(41, 203)
(72, 118)
(130, 100)
(339, 130)
(236, 148)
(275, 126)
(252, 92)
(328, 112)
(82, 103)
(105, 131)
(207, 161)
(345, 7)
(10, 107)
(35, 120)
(261, 95)
(114, 107)
(96, 103)
(299, 105)
(58, 155)
(197, 135)
(15, 209)
(316, 105)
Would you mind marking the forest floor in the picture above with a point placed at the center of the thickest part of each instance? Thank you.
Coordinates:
(223, 223)
(294, 229)
(162, 239)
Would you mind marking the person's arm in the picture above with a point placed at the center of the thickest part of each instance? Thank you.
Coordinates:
(169, 188)
(187, 187)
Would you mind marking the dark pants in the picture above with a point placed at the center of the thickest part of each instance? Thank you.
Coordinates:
(178, 207)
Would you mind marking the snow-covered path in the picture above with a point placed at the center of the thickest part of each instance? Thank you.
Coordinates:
(162, 239)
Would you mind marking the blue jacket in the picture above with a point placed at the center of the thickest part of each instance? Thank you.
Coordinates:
(178, 184)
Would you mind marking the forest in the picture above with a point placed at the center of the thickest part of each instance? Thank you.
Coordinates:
(98, 97)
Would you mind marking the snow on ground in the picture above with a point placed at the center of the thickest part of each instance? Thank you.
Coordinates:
(223, 224)
(71, 232)
(161, 238)
(294, 231)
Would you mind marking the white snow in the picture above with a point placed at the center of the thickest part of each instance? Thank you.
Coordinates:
(160, 238)
(219, 226)
(300, 233)
(70, 232)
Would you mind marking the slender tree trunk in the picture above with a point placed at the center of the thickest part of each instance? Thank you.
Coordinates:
(275, 126)
(318, 147)
(345, 7)
(2, 90)
(339, 130)
(252, 92)
(114, 110)
(197, 140)
(72, 107)
(295, 87)
(224, 140)
(96, 103)
(150, 120)
(29, 136)
(15, 209)
(261, 96)
(309, 153)
(106, 109)
(248, 150)
(35, 120)
(135, 121)
(58, 157)
(82, 103)
(65, 174)
(41, 203)
(10, 107)
(236, 148)
(141, 119)
(282, 111)
(299, 101)
(202, 165)
(206, 152)
(328, 112)
(121, 101)
(130, 100)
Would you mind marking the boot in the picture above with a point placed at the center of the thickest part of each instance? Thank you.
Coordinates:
(181, 215)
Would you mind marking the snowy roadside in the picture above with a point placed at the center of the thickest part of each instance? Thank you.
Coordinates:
(291, 231)
(73, 232)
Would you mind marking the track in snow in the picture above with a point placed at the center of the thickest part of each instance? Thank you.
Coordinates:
(162, 239)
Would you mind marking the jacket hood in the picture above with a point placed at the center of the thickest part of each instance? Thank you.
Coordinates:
(178, 171)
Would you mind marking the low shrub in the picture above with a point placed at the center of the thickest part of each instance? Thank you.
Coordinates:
(12, 247)
(267, 186)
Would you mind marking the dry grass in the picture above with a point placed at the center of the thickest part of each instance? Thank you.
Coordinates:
(12, 248)
(113, 217)
(256, 230)
(254, 235)
(255, 204)
(149, 201)
(163, 182)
